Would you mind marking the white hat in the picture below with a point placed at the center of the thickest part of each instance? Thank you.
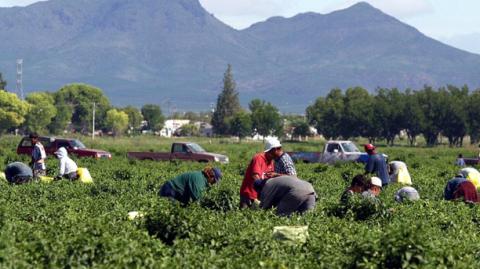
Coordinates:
(376, 181)
(271, 144)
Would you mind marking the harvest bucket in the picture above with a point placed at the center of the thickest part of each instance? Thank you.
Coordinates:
(84, 176)
(45, 179)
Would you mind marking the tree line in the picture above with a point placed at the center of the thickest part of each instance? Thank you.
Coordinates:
(448, 111)
(72, 108)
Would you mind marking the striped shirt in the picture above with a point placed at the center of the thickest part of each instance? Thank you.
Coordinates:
(285, 166)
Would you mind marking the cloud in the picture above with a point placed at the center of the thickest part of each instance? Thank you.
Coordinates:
(10, 3)
(397, 8)
(257, 8)
(469, 42)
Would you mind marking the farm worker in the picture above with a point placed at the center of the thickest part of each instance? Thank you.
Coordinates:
(261, 167)
(376, 164)
(407, 194)
(466, 192)
(283, 162)
(38, 156)
(190, 186)
(460, 161)
(287, 193)
(472, 175)
(68, 168)
(359, 184)
(374, 188)
(18, 173)
(399, 173)
(452, 186)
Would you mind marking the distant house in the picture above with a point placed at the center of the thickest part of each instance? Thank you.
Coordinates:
(171, 126)
(205, 128)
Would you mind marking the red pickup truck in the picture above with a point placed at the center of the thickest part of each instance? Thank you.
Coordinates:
(51, 144)
(181, 151)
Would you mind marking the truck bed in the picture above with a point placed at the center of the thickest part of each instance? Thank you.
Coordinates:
(154, 156)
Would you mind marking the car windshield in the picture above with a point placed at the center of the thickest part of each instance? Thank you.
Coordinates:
(77, 144)
(350, 147)
(195, 147)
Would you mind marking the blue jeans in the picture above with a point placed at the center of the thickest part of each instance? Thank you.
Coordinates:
(167, 191)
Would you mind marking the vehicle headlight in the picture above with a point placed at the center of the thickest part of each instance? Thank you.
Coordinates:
(227, 160)
(216, 159)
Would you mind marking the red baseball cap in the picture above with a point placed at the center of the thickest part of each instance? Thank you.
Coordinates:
(369, 147)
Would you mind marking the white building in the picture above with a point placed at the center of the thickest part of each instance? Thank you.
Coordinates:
(170, 126)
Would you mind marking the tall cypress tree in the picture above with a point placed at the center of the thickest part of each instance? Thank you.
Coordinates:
(227, 104)
(3, 83)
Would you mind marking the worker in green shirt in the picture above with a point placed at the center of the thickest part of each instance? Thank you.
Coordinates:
(190, 186)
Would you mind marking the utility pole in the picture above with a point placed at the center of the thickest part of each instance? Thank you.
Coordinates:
(20, 78)
(93, 121)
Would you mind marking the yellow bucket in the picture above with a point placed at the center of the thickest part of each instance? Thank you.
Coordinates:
(84, 176)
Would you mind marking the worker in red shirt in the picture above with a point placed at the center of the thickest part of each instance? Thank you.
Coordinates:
(261, 167)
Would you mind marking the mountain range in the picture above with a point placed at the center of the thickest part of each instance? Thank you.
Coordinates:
(174, 51)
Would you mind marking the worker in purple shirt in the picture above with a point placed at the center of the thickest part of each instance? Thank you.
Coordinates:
(376, 164)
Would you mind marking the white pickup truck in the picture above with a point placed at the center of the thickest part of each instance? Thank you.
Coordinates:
(333, 151)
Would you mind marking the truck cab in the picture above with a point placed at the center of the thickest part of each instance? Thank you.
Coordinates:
(342, 151)
(333, 151)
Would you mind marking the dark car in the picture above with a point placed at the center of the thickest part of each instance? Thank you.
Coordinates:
(73, 146)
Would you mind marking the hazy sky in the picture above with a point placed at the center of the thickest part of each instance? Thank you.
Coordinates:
(441, 19)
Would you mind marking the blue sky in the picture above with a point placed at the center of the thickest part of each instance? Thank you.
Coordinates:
(454, 22)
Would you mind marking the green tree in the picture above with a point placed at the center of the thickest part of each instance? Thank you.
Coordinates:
(81, 99)
(241, 125)
(432, 104)
(12, 111)
(412, 117)
(388, 111)
(266, 119)
(357, 119)
(3, 83)
(116, 121)
(188, 130)
(154, 117)
(42, 111)
(135, 117)
(473, 116)
(301, 129)
(62, 118)
(326, 114)
(455, 122)
(227, 104)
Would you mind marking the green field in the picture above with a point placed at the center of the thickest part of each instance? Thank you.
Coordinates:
(71, 225)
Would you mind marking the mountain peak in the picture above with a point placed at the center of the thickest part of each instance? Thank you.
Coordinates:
(362, 5)
(362, 8)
